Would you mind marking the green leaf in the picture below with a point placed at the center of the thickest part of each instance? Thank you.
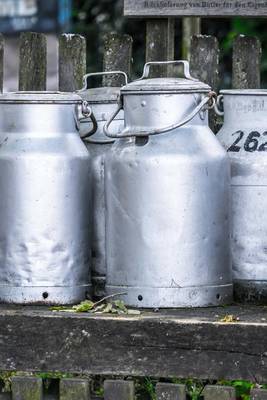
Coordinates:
(84, 306)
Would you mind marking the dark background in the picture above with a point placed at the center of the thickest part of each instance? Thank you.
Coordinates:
(94, 18)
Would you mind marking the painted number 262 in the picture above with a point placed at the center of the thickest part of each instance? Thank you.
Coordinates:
(252, 142)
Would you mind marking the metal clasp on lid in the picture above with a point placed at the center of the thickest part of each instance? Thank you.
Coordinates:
(84, 111)
(85, 105)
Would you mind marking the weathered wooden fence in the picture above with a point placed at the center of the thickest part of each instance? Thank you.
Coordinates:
(205, 58)
(175, 345)
(31, 388)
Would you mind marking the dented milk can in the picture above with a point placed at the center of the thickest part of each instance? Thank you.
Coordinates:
(103, 101)
(167, 193)
(244, 136)
(45, 199)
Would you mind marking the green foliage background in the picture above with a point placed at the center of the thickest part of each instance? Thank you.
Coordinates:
(95, 18)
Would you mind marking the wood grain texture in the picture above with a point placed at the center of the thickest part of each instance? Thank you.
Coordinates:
(170, 391)
(71, 389)
(71, 62)
(191, 27)
(246, 62)
(117, 57)
(118, 390)
(207, 8)
(32, 61)
(180, 343)
(212, 392)
(159, 44)
(204, 62)
(27, 388)
(258, 394)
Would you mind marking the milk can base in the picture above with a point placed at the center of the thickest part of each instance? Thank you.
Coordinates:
(147, 297)
(44, 294)
(253, 292)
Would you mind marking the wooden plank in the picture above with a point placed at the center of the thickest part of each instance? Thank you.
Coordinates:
(159, 43)
(258, 394)
(191, 27)
(170, 391)
(2, 44)
(27, 388)
(71, 62)
(71, 389)
(118, 390)
(117, 57)
(204, 64)
(207, 8)
(32, 61)
(212, 392)
(246, 62)
(204, 60)
(169, 343)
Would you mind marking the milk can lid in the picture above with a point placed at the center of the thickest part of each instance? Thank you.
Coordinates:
(188, 84)
(102, 95)
(36, 97)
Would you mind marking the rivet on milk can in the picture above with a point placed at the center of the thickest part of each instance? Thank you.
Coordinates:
(103, 102)
(167, 187)
(45, 199)
(244, 136)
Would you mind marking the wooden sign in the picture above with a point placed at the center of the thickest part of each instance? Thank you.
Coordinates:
(201, 8)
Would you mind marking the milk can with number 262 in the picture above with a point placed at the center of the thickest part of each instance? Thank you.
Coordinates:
(244, 136)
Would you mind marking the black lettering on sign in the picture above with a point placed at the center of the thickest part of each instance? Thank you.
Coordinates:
(200, 8)
(251, 143)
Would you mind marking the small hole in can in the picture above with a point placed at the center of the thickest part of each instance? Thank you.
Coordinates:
(45, 295)
(140, 297)
(141, 140)
(218, 296)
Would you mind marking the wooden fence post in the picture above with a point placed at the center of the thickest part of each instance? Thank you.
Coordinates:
(159, 43)
(71, 389)
(27, 388)
(117, 56)
(212, 392)
(33, 61)
(170, 391)
(246, 62)
(118, 390)
(258, 394)
(72, 62)
(204, 60)
(204, 64)
(191, 27)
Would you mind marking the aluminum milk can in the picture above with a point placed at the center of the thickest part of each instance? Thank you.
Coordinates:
(244, 136)
(45, 199)
(103, 102)
(167, 193)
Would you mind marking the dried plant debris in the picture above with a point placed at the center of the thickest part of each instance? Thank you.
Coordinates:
(102, 306)
(228, 318)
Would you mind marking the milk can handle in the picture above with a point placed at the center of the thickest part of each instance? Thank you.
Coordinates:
(102, 74)
(129, 133)
(84, 111)
(183, 62)
(218, 106)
